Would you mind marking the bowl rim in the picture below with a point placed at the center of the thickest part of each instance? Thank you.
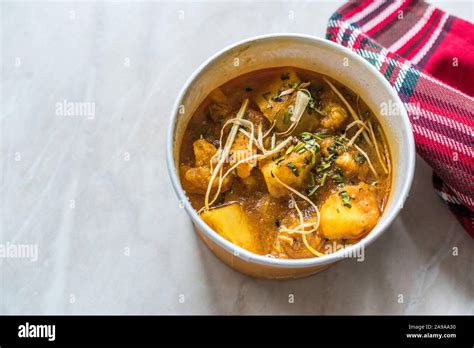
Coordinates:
(246, 255)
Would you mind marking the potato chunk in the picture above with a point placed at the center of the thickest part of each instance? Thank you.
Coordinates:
(292, 170)
(335, 117)
(240, 151)
(232, 223)
(263, 97)
(196, 180)
(276, 108)
(338, 220)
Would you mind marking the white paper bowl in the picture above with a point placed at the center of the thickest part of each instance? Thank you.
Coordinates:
(313, 54)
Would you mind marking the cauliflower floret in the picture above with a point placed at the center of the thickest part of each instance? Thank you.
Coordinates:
(324, 144)
(203, 152)
(196, 180)
(347, 163)
(350, 167)
(292, 171)
(335, 117)
(349, 213)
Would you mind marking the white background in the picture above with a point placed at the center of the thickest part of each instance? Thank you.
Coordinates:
(94, 194)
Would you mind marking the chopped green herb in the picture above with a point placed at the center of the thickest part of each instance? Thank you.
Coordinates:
(290, 150)
(312, 190)
(340, 144)
(312, 180)
(286, 118)
(323, 180)
(306, 136)
(313, 145)
(312, 107)
(337, 177)
(309, 141)
(298, 147)
(293, 168)
(359, 159)
(345, 198)
(330, 157)
(323, 167)
(322, 135)
(313, 157)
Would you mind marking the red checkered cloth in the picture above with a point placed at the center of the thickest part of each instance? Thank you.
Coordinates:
(428, 57)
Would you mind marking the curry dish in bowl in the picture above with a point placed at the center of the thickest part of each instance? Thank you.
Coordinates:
(287, 163)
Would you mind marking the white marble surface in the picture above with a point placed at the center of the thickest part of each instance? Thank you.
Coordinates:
(95, 197)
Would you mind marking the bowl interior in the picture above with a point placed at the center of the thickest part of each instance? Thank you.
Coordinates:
(323, 57)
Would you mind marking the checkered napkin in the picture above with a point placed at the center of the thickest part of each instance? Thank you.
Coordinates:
(428, 57)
